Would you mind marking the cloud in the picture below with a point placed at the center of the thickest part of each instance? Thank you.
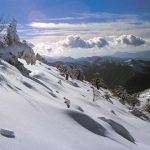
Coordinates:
(98, 33)
(52, 25)
(83, 17)
(38, 32)
(109, 16)
(130, 40)
(63, 19)
(76, 46)
(43, 47)
(48, 49)
(75, 41)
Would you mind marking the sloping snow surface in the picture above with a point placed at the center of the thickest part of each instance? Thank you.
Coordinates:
(34, 109)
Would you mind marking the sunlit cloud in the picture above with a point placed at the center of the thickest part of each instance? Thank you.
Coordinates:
(53, 25)
(76, 46)
(77, 42)
(111, 33)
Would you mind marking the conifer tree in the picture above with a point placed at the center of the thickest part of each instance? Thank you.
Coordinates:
(12, 36)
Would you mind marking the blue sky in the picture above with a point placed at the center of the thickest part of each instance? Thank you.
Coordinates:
(32, 10)
(81, 27)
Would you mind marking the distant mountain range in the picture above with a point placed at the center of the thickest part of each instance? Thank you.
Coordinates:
(131, 70)
(145, 55)
(138, 55)
(63, 59)
(133, 74)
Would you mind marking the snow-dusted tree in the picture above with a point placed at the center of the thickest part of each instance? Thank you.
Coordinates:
(15, 49)
(133, 100)
(121, 93)
(40, 58)
(12, 36)
(1, 24)
(98, 81)
(77, 73)
(1, 33)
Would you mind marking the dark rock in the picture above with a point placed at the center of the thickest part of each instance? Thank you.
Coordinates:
(7, 133)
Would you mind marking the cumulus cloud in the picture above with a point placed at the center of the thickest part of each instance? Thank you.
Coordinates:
(75, 41)
(43, 47)
(48, 49)
(130, 40)
(98, 42)
(52, 32)
(72, 45)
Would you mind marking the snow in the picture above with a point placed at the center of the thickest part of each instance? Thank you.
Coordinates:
(34, 109)
(12, 36)
(1, 38)
(144, 95)
(11, 48)
(7, 133)
(144, 98)
(20, 50)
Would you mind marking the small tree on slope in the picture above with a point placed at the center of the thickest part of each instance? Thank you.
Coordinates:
(15, 49)
(1, 33)
(12, 36)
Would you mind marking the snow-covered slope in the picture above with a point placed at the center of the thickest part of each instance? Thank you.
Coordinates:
(33, 107)
(145, 95)
(144, 98)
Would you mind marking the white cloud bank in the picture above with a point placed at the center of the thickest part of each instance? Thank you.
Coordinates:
(75, 41)
(54, 25)
(74, 45)
(48, 49)
(130, 40)
(109, 24)
(55, 36)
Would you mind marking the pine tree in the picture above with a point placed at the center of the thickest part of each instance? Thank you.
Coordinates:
(12, 36)
(1, 24)
(80, 75)
(2, 44)
(67, 76)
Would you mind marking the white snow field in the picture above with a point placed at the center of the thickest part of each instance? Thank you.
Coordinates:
(144, 97)
(34, 109)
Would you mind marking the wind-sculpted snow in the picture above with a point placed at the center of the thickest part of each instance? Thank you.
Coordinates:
(28, 85)
(80, 108)
(88, 123)
(140, 114)
(7, 133)
(121, 130)
(33, 108)
(20, 50)
(73, 84)
(2, 78)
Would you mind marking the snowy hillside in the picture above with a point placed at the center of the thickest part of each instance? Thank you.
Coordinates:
(145, 99)
(34, 109)
(145, 95)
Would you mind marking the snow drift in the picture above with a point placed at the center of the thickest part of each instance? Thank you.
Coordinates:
(33, 108)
